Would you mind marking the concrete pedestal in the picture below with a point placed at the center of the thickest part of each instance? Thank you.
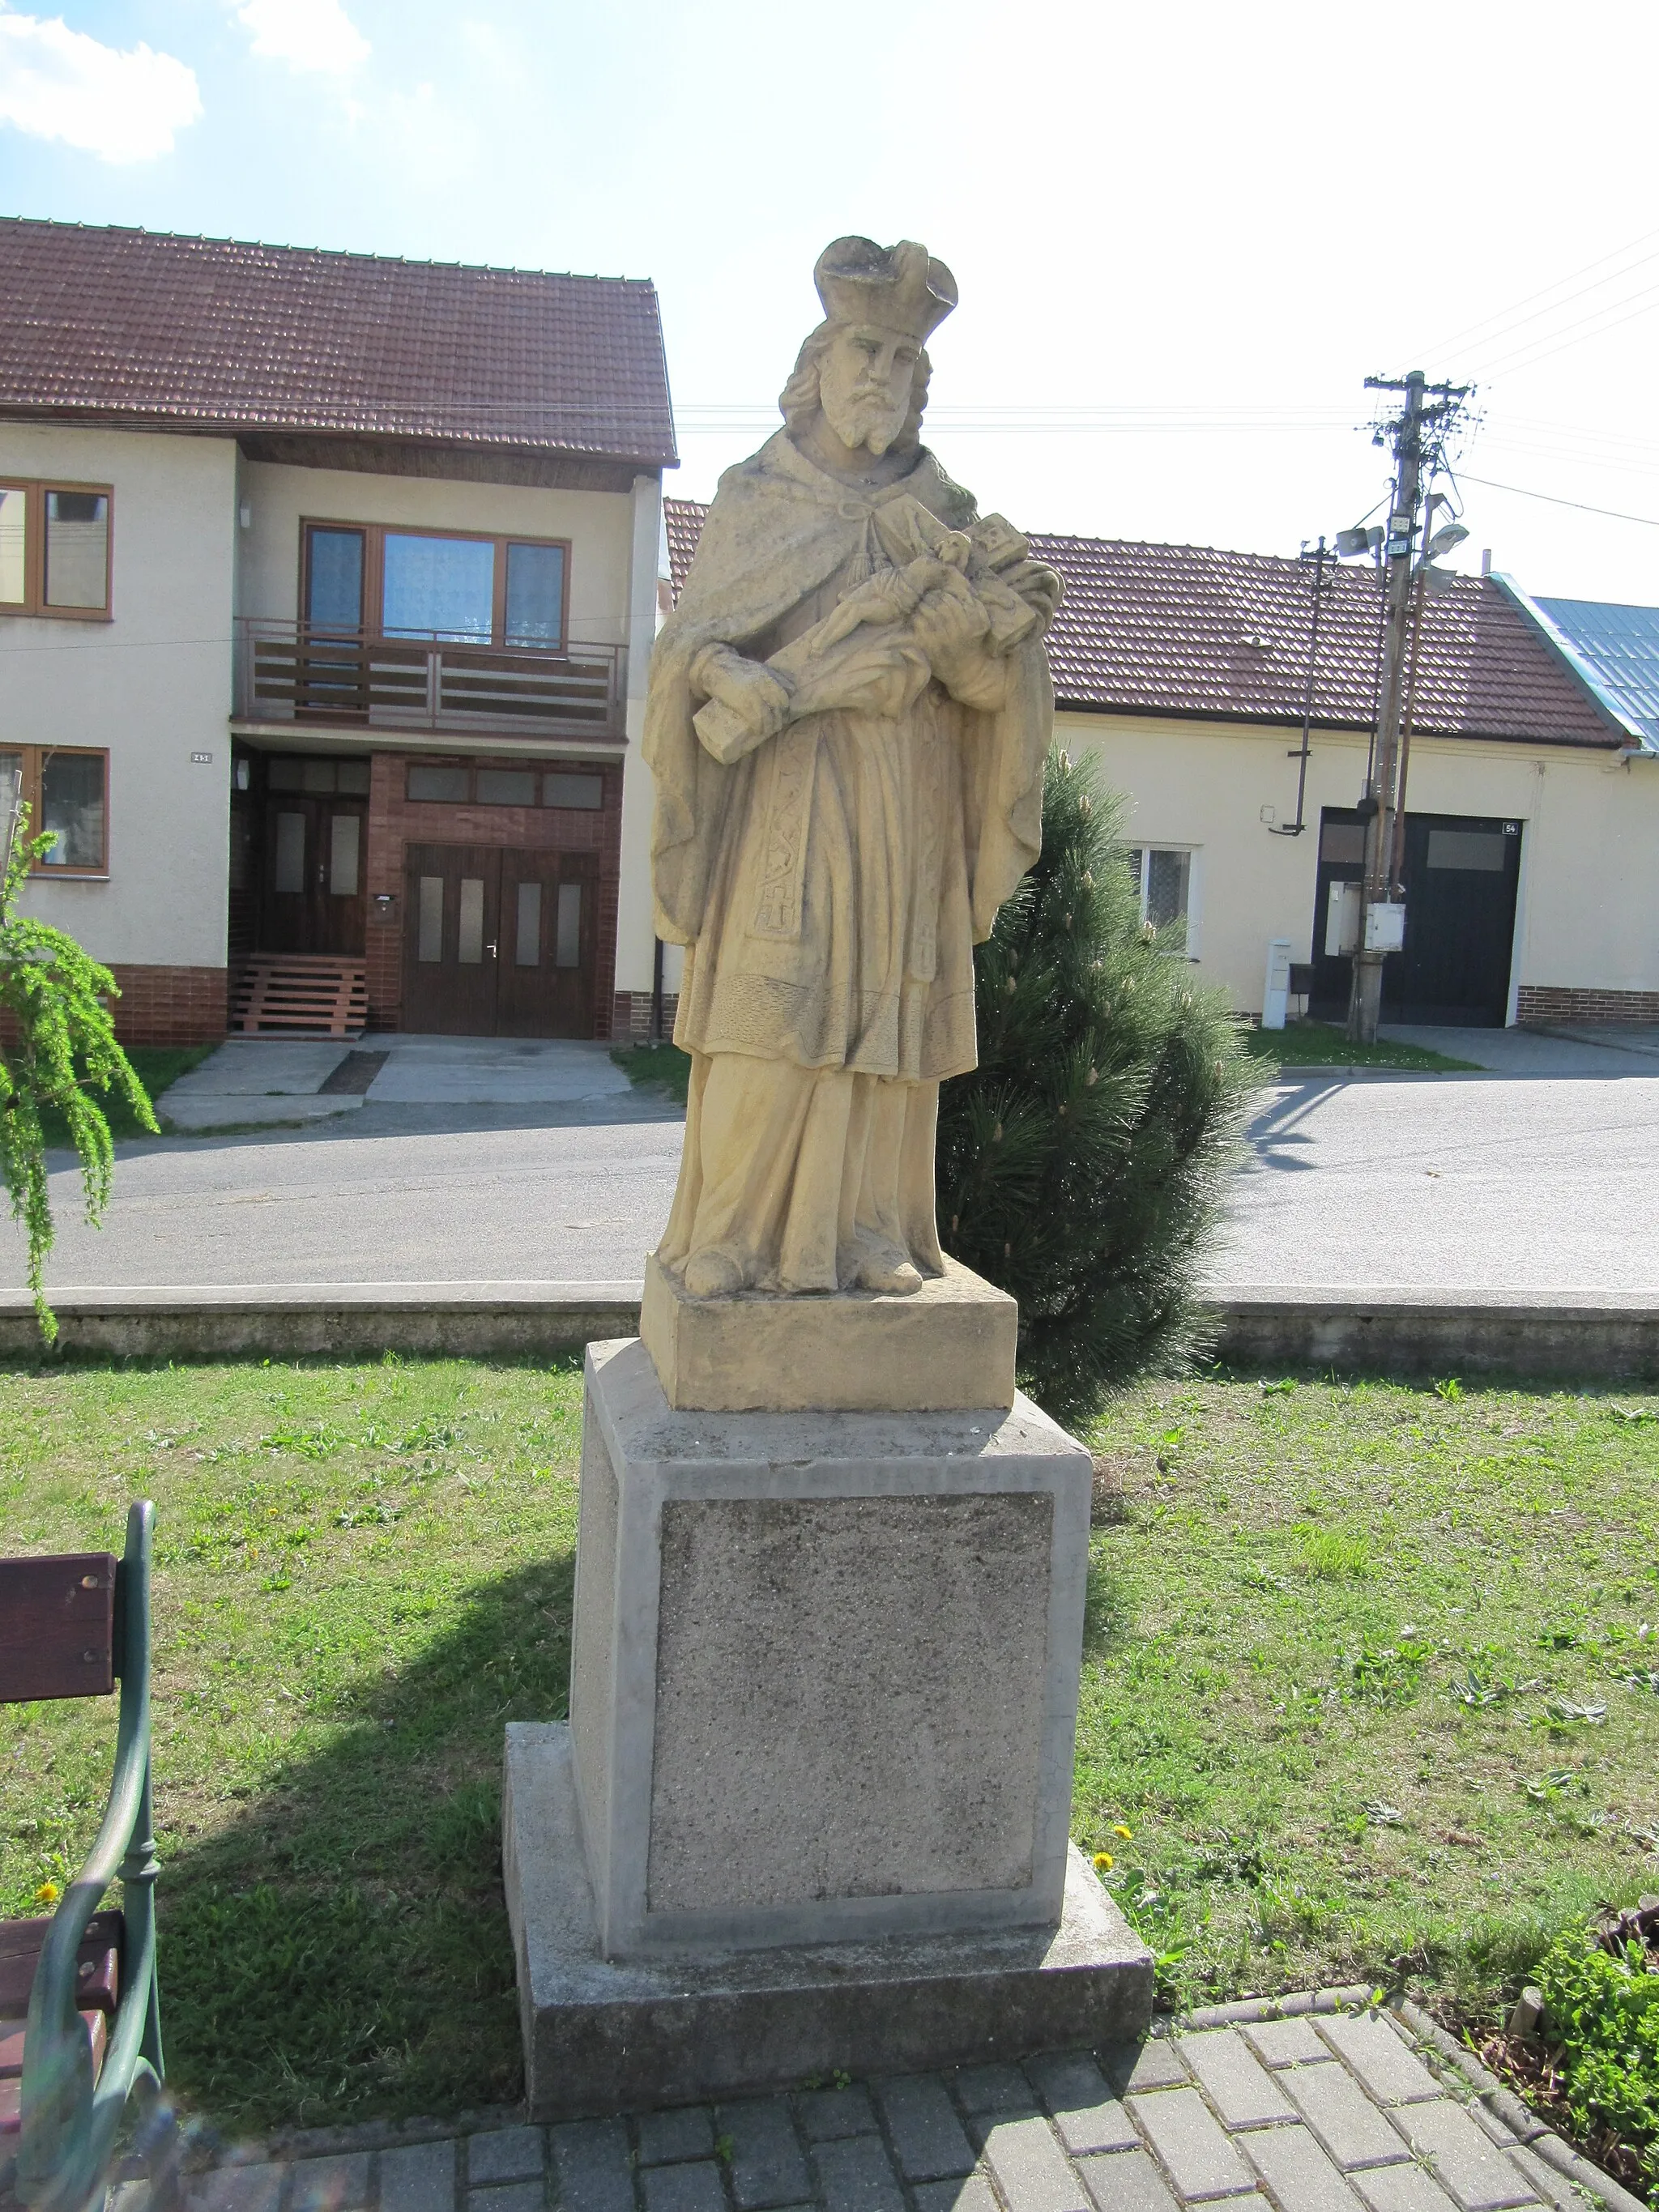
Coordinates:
(811, 1810)
(604, 2036)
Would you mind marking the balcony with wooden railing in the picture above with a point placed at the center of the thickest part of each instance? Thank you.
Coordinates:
(354, 679)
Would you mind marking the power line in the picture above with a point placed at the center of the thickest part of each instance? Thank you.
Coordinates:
(1641, 303)
(1502, 316)
(1616, 514)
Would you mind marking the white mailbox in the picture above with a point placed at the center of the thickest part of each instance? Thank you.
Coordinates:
(1276, 991)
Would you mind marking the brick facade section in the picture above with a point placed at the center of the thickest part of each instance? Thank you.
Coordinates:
(1563, 1002)
(630, 1017)
(171, 1006)
(395, 822)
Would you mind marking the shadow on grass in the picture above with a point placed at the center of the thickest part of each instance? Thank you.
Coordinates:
(342, 1949)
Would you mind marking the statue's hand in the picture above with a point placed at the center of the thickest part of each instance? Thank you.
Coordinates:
(1038, 585)
(755, 697)
(948, 624)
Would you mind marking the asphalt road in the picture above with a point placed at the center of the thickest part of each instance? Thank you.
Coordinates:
(1485, 1183)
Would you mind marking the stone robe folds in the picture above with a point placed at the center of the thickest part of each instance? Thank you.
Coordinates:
(830, 888)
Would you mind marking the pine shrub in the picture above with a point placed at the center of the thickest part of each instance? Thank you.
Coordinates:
(1081, 1165)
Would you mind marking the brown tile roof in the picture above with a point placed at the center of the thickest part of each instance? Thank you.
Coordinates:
(212, 334)
(1185, 631)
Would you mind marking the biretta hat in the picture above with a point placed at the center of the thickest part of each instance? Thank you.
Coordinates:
(898, 287)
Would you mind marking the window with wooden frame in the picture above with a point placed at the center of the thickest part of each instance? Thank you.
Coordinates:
(454, 586)
(66, 790)
(55, 544)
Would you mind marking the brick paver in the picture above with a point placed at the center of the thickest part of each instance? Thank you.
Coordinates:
(419, 2177)
(1478, 2174)
(688, 2131)
(826, 2115)
(1195, 2151)
(1300, 2176)
(329, 2184)
(1369, 2047)
(767, 2166)
(699, 2187)
(1243, 2093)
(856, 2175)
(928, 2138)
(1086, 2115)
(1030, 2170)
(1283, 2042)
(1335, 2109)
(505, 2154)
(1341, 2115)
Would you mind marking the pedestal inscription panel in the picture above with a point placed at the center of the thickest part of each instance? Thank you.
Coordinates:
(849, 1698)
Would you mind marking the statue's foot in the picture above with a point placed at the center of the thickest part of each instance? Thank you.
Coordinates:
(885, 1271)
(713, 1274)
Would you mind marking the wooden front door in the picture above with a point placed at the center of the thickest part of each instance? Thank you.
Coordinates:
(548, 911)
(500, 943)
(314, 898)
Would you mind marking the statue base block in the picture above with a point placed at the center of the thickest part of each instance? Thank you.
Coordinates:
(604, 2036)
(946, 1347)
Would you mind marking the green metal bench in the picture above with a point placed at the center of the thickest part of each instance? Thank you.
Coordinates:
(90, 2042)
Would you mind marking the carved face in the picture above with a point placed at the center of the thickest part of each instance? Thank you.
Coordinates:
(864, 384)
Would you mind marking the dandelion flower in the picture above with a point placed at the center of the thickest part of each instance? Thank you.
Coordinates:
(1119, 1829)
(48, 1893)
(1103, 1862)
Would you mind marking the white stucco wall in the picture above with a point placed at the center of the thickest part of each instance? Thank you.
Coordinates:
(1589, 908)
(152, 684)
(598, 526)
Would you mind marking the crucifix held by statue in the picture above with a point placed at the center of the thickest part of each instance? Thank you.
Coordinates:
(848, 715)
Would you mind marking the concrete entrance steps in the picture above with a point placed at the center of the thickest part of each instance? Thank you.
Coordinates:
(289, 992)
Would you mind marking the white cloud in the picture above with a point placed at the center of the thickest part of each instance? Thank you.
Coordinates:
(57, 84)
(306, 34)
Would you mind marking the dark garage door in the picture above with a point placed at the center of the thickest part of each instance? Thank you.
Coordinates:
(1461, 874)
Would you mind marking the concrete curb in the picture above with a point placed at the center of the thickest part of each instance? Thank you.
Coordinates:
(1607, 1336)
(1565, 1335)
(355, 1320)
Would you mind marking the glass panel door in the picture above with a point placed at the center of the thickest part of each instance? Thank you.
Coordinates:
(547, 982)
(334, 581)
(535, 595)
(453, 904)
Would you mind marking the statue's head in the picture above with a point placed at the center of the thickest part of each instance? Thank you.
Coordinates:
(864, 366)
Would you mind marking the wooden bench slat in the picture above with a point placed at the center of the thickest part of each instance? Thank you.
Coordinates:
(57, 1626)
(98, 1963)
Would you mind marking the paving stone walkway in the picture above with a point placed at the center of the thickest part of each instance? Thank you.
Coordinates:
(1309, 2104)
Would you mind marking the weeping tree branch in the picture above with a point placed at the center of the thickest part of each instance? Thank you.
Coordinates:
(55, 1008)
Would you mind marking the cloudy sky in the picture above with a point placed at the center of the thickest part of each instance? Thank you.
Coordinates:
(1183, 235)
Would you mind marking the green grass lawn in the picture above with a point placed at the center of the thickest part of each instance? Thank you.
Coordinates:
(656, 1066)
(1321, 1044)
(1365, 1677)
(1373, 1676)
(155, 1066)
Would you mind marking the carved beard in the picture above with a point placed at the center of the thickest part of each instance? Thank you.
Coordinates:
(867, 418)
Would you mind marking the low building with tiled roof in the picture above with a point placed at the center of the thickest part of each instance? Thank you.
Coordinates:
(1532, 844)
(327, 585)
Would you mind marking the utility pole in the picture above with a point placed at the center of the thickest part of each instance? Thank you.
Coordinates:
(1416, 432)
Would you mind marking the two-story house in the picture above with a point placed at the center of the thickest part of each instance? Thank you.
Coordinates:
(327, 589)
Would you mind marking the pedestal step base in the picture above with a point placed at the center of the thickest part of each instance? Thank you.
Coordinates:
(604, 2036)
